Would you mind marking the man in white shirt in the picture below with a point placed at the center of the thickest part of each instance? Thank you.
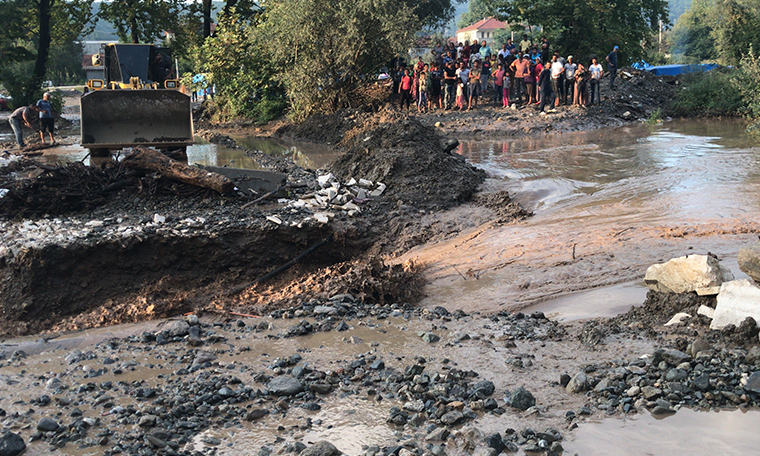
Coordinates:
(556, 71)
(570, 68)
(597, 72)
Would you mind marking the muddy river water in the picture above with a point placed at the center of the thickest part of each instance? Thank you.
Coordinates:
(607, 205)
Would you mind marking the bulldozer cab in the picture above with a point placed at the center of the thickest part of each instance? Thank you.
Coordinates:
(136, 102)
(124, 62)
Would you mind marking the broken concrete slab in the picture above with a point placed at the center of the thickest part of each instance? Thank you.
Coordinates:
(737, 300)
(749, 261)
(706, 311)
(678, 318)
(708, 291)
(686, 274)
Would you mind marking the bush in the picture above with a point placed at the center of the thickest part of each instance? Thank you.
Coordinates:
(709, 94)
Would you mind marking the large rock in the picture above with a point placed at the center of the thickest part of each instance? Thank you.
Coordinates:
(11, 444)
(321, 448)
(522, 399)
(578, 384)
(737, 300)
(749, 261)
(686, 274)
(285, 385)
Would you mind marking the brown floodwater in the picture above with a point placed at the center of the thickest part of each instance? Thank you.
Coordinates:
(608, 204)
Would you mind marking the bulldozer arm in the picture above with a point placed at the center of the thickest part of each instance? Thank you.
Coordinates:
(113, 119)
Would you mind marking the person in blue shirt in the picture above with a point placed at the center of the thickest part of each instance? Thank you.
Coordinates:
(47, 122)
(612, 60)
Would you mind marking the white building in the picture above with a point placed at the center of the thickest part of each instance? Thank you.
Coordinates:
(481, 30)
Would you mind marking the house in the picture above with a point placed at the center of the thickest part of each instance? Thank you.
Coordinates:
(89, 48)
(481, 30)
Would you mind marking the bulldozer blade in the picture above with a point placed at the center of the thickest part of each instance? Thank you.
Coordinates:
(113, 119)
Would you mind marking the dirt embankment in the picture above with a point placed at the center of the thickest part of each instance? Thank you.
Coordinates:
(638, 96)
(87, 247)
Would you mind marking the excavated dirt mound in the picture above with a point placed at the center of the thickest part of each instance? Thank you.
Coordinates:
(660, 307)
(501, 203)
(411, 161)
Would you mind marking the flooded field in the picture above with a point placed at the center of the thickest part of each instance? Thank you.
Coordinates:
(607, 205)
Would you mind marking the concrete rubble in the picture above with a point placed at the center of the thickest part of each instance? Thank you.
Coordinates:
(337, 197)
(737, 300)
(686, 274)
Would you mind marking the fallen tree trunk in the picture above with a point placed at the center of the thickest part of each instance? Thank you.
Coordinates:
(146, 159)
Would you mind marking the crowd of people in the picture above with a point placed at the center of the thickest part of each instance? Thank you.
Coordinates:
(457, 77)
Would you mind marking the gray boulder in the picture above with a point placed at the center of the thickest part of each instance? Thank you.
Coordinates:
(285, 385)
(47, 425)
(753, 383)
(749, 261)
(578, 384)
(11, 444)
(521, 399)
(321, 448)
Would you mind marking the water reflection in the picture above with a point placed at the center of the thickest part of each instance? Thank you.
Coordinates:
(205, 153)
(687, 432)
(678, 169)
(309, 156)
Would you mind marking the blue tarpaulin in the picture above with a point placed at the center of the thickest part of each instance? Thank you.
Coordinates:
(674, 70)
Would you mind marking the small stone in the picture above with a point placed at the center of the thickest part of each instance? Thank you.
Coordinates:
(147, 421)
(255, 414)
(438, 435)
(430, 337)
(47, 425)
(155, 441)
(452, 417)
(753, 383)
(285, 385)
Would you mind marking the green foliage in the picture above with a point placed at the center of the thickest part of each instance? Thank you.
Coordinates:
(65, 64)
(142, 21)
(241, 70)
(476, 11)
(56, 101)
(691, 40)
(709, 94)
(655, 117)
(747, 83)
(430, 13)
(737, 29)
(326, 48)
(677, 8)
(713, 30)
(26, 40)
(585, 27)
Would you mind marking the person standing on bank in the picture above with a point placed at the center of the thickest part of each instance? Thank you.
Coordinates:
(47, 122)
(25, 114)
(596, 71)
(612, 60)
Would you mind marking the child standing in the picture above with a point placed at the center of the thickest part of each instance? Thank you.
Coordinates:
(424, 89)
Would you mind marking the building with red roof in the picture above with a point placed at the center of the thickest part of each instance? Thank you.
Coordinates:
(481, 30)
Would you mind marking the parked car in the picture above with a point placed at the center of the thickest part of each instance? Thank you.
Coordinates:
(5, 103)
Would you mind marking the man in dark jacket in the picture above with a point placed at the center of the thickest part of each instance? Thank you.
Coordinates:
(545, 86)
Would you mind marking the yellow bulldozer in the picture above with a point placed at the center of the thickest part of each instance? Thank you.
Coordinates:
(137, 102)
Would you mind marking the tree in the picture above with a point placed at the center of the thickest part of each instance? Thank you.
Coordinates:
(585, 27)
(737, 29)
(142, 21)
(691, 40)
(326, 48)
(25, 46)
(477, 10)
(431, 13)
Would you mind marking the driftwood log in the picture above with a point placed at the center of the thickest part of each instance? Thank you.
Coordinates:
(147, 159)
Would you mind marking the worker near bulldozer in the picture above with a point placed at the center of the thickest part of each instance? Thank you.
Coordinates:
(25, 114)
(47, 123)
(161, 69)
